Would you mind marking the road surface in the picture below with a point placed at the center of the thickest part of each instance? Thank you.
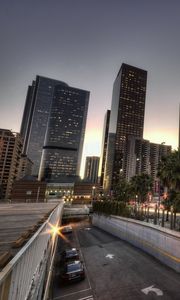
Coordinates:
(115, 270)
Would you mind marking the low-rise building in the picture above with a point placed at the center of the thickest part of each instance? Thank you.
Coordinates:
(28, 189)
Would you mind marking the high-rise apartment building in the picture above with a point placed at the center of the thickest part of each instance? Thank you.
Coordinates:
(157, 151)
(141, 156)
(91, 169)
(137, 157)
(104, 147)
(10, 153)
(62, 151)
(127, 118)
(35, 118)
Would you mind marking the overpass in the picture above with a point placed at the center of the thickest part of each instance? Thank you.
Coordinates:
(24, 275)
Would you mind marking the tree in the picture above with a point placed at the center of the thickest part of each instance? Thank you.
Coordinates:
(169, 174)
(141, 185)
(169, 170)
(123, 191)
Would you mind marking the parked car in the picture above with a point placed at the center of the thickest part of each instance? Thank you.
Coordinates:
(69, 255)
(66, 229)
(72, 271)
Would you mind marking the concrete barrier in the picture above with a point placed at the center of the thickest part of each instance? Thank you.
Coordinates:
(162, 243)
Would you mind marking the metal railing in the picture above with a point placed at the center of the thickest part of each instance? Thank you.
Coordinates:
(23, 277)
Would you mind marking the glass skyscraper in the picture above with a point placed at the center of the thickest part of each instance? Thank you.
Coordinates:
(127, 118)
(41, 129)
(62, 151)
(35, 118)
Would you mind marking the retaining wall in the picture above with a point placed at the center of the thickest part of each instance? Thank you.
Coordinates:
(162, 243)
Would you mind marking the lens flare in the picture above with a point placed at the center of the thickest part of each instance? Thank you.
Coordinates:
(56, 230)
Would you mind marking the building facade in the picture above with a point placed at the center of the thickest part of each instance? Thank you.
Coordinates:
(25, 167)
(91, 169)
(10, 153)
(127, 118)
(104, 147)
(85, 192)
(157, 151)
(35, 118)
(137, 157)
(62, 151)
(142, 156)
(29, 189)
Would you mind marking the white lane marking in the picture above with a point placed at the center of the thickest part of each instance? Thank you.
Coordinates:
(151, 288)
(75, 234)
(110, 256)
(87, 298)
(70, 294)
(87, 228)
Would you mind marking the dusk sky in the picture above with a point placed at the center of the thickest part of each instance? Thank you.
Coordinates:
(84, 43)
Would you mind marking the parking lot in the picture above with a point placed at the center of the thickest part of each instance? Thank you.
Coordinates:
(114, 270)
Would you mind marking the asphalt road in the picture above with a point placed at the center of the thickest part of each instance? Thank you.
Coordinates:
(115, 270)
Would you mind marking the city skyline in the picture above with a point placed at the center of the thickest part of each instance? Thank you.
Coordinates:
(63, 43)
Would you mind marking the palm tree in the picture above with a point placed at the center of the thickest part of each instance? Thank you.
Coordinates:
(174, 198)
(169, 174)
(123, 190)
(169, 170)
(141, 185)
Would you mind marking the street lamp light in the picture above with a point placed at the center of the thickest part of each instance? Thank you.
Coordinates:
(93, 192)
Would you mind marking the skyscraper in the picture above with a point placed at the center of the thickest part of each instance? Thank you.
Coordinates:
(137, 157)
(127, 118)
(62, 150)
(35, 118)
(157, 151)
(142, 156)
(91, 169)
(104, 147)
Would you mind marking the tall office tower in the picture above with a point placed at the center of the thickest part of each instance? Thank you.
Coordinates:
(10, 153)
(62, 150)
(157, 151)
(127, 118)
(137, 157)
(91, 169)
(35, 118)
(104, 147)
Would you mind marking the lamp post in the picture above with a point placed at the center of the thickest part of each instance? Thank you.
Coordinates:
(93, 192)
(38, 192)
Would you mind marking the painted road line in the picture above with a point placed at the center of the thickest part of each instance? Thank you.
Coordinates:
(71, 294)
(110, 256)
(151, 288)
(83, 259)
(87, 298)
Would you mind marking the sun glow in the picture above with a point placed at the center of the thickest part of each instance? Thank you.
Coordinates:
(169, 137)
(92, 145)
(56, 230)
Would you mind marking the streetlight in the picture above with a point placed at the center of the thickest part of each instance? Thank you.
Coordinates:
(93, 192)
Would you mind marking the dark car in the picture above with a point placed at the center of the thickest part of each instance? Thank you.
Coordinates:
(72, 271)
(66, 229)
(69, 255)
